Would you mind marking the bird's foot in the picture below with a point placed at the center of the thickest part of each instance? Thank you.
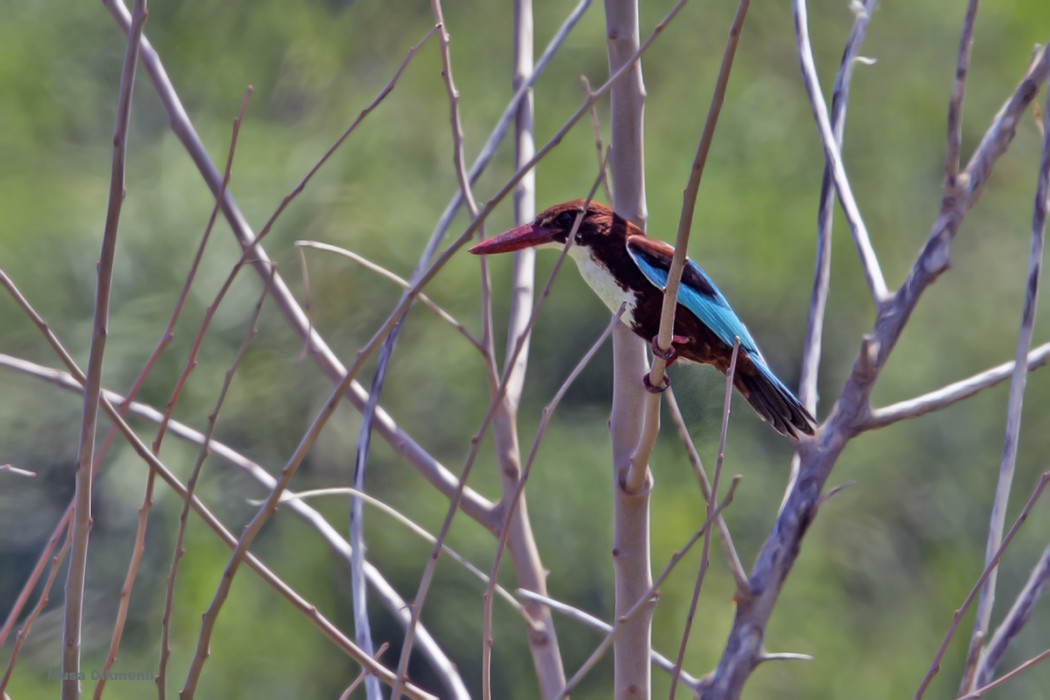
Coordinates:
(670, 354)
(656, 389)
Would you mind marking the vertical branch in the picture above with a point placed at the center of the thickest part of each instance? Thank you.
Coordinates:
(807, 382)
(685, 223)
(630, 506)
(832, 154)
(1014, 402)
(517, 529)
(711, 505)
(955, 104)
(75, 577)
(807, 390)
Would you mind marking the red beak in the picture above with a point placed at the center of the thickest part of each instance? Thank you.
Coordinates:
(524, 236)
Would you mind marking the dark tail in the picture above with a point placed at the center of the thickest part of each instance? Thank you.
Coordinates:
(772, 401)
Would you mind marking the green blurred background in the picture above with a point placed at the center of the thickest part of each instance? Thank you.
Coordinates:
(883, 567)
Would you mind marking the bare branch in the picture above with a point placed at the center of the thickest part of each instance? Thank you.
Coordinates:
(807, 383)
(732, 558)
(952, 393)
(514, 499)
(819, 455)
(955, 105)
(979, 692)
(649, 595)
(84, 467)
(990, 566)
(1016, 398)
(1015, 619)
(585, 618)
(399, 281)
(41, 603)
(11, 469)
(833, 156)
(702, 570)
(393, 603)
(651, 425)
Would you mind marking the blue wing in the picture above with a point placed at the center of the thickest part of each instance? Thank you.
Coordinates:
(697, 292)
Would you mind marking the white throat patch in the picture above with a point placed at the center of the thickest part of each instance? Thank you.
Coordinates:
(598, 278)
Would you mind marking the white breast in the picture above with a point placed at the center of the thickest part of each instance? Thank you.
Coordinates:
(598, 278)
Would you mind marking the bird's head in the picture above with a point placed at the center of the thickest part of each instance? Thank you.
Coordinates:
(600, 225)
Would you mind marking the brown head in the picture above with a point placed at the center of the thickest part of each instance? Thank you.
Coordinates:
(553, 226)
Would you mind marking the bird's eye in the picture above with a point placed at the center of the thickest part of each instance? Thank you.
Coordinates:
(566, 218)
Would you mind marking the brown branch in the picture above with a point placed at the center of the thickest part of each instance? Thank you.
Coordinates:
(648, 597)
(585, 618)
(979, 692)
(514, 501)
(955, 104)
(393, 603)
(1015, 620)
(309, 610)
(1015, 400)
(990, 566)
(651, 425)
(84, 467)
(732, 558)
(191, 485)
(41, 603)
(705, 550)
(849, 414)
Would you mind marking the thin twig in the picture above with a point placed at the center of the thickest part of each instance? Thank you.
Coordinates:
(979, 692)
(833, 156)
(304, 606)
(84, 466)
(1015, 620)
(393, 603)
(640, 458)
(428, 572)
(596, 127)
(807, 383)
(952, 393)
(955, 104)
(41, 603)
(1015, 400)
(704, 559)
(402, 443)
(191, 485)
(585, 618)
(652, 592)
(732, 558)
(518, 493)
(989, 567)
(463, 179)
(781, 549)
(383, 272)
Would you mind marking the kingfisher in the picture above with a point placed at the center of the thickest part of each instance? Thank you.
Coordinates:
(626, 268)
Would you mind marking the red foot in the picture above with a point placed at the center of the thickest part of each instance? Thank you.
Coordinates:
(670, 354)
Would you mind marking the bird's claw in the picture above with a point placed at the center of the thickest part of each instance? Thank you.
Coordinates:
(656, 389)
(667, 355)
(670, 354)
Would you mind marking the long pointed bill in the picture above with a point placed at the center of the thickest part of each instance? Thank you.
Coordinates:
(524, 236)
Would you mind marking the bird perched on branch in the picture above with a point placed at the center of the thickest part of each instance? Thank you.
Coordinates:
(625, 267)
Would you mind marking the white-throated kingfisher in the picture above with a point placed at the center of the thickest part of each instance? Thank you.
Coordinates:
(625, 267)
